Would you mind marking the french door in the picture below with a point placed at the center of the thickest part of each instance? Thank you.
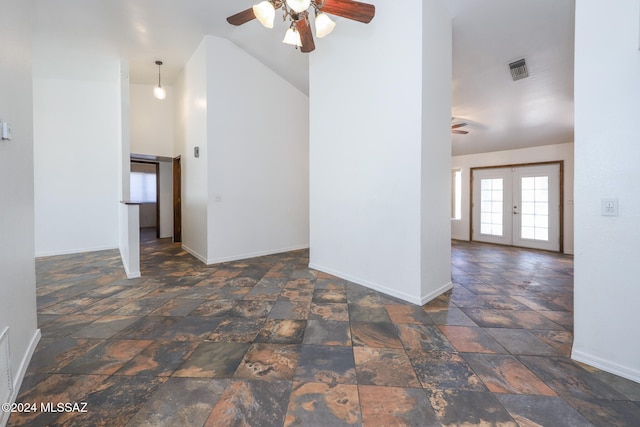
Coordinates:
(517, 206)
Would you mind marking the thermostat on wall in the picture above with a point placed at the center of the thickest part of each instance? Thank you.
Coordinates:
(5, 131)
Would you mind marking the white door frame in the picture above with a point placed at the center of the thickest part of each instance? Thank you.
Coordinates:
(508, 221)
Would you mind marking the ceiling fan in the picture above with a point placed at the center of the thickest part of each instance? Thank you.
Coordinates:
(299, 33)
(455, 129)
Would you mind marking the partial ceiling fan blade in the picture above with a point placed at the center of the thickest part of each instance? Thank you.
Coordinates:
(306, 36)
(242, 17)
(459, 125)
(459, 132)
(361, 12)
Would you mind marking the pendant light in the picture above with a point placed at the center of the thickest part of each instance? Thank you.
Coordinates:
(158, 91)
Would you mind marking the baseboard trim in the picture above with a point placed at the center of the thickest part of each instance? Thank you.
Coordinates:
(75, 251)
(435, 294)
(134, 275)
(606, 365)
(255, 254)
(22, 370)
(194, 253)
(381, 288)
(130, 274)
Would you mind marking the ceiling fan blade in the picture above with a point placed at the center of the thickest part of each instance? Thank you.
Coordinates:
(459, 125)
(459, 132)
(361, 12)
(306, 36)
(242, 17)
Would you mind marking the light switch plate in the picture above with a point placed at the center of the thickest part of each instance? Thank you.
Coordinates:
(5, 131)
(609, 207)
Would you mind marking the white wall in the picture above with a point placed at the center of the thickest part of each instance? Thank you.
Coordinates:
(152, 130)
(436, 150)
(247, 193)
(460, 228)
(191, 131)
(607, 106)
(17, 269)
(258, 132)
(370, 144)
(77, 150)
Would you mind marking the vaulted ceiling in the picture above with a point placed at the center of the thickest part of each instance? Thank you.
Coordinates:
(487, 35)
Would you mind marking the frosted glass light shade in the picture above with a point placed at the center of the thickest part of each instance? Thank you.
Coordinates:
(159, 92)
(292, 37)
(265, 13)
(324, 25)
(299, 5)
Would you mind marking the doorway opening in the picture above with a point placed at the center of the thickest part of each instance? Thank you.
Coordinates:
(156, 185)
(145, 189)
(518, 205)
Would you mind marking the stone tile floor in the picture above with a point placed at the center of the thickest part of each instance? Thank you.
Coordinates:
(270, 342)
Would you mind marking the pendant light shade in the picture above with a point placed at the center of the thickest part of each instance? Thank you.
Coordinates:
(299, 5)
(324, 25)
(265, 13)
(159, 92)
(292, 37)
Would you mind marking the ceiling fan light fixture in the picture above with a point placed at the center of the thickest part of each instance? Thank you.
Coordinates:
(324, 25)
(298, 5)
(159, 92)
(292, 37)
(265, 13)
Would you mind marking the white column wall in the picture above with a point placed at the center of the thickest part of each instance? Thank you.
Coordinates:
(258, 157)
(435, 194)
(460, 228)
(607, 84)
(366, 149)
(191, 131)
(17, 268)
(77, 149)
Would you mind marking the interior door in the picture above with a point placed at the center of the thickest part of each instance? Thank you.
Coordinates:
(517, 206)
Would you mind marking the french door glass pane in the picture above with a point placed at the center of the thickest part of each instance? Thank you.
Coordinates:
(491, 206)
(535, 208)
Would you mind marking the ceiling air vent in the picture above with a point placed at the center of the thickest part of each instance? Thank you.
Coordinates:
(519, 70)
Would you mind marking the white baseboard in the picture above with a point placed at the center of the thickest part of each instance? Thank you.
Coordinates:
(125, 264)
(380, 288)
(606, 365)
(210, 261)
(133, 275)
(22, 370)
(194, 253)
(435, 294)
(255, 254)
(74, 251)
